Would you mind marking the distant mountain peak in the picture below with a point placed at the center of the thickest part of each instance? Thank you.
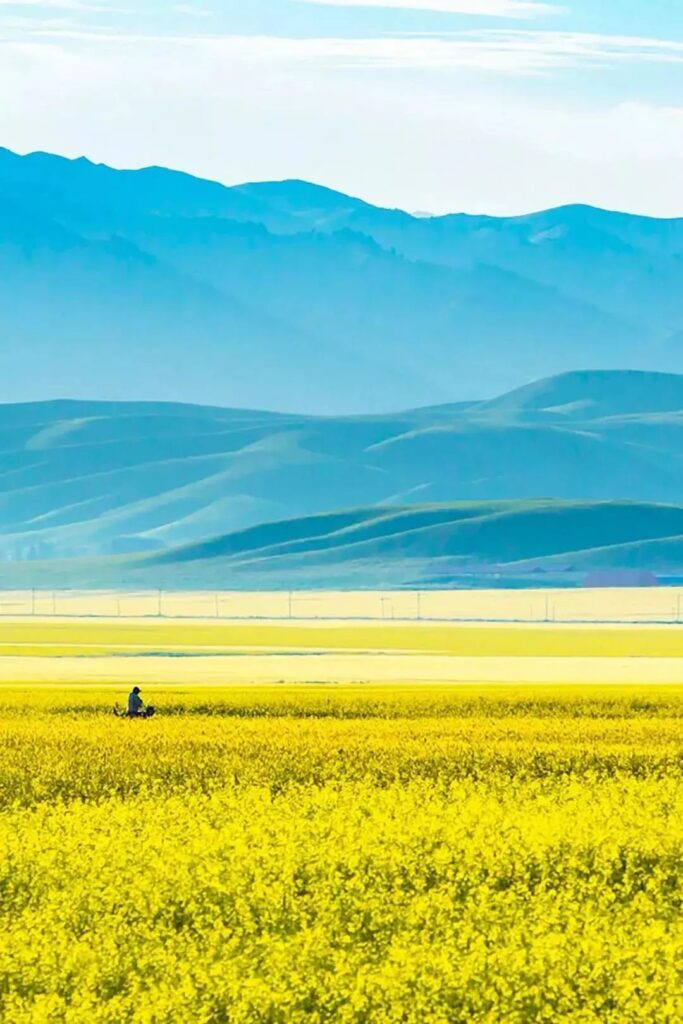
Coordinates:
(290, 294)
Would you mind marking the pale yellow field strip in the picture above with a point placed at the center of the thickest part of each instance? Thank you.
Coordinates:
(607, 605)
(117, 652)
(331, 668)
(147, 622)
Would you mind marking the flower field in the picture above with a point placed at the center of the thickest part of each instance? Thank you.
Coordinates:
(433, 854)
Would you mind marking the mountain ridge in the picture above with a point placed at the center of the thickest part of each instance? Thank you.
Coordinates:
(45, 156)
(157, 284)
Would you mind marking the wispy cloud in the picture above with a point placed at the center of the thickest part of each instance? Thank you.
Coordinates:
(484, 8)
(507, 51)
(503, 51)
(192, 11)
(34, 9)
(514, 52)
(39, 5)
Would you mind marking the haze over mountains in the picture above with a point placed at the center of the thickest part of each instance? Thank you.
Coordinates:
(154, 285)
(84, 479)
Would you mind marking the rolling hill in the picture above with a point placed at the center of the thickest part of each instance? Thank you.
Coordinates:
(464, 536)
(509, 543)
(87, 479)
(153, 284)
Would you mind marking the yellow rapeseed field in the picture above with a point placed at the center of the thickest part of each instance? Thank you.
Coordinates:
(352, 854)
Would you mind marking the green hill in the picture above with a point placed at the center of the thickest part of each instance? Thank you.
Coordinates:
(493, 543)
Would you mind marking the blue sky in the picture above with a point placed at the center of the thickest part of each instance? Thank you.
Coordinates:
(494, 106)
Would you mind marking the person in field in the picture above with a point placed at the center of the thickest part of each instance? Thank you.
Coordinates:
(136, 707)
(135, 703)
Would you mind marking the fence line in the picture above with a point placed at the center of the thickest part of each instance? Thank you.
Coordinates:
(635, 606)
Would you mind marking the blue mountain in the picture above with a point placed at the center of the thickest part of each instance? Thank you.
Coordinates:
(156, 285)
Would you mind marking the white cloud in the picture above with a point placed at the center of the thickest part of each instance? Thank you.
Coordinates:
(511, 51)
(192, 11)
(64, 5)
(504, 52)
(483, 8)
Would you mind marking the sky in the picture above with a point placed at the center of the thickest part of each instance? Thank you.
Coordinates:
(484, 106)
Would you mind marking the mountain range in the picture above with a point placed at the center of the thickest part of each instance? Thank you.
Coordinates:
(87, 479)
(155, 285)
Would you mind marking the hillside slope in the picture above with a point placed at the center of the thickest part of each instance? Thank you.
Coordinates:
(474, 544)
(474, 534)
(83, 479)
